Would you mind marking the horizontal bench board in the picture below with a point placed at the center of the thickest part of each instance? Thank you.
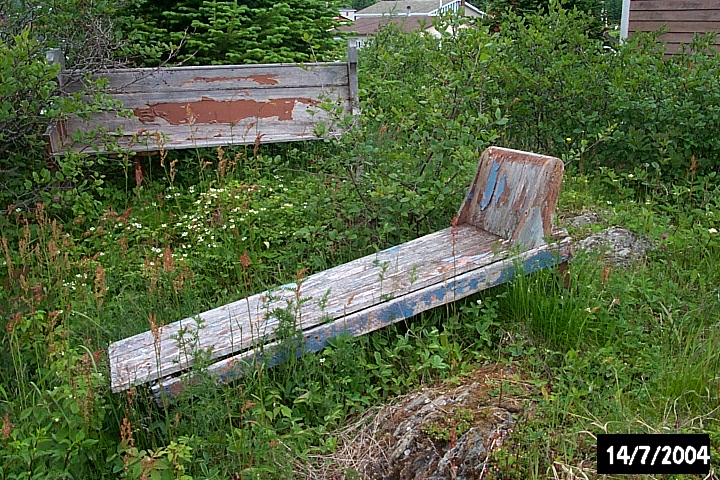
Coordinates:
(213, 78)
(146, 99)
(221, 118)
(344, 290)
(208, 106)
(386, 313)
(198, 138)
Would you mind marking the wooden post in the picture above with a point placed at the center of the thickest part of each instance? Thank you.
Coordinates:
(54, 135)
(625, 21)
(55, 55)
(353, 75)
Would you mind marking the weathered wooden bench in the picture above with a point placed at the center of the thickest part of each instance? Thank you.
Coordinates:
(209, 106)
(504, 222)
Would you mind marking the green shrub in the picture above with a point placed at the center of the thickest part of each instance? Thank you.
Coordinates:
(426, 118)
(30, 101)
(85, 31)
(27, 106)
(569, 96)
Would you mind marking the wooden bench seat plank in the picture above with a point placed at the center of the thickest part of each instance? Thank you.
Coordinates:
(211, 78)
(144, 99)
(385, 313)
(505, 218)
(346, 289)
(196, 136)
(204, 119)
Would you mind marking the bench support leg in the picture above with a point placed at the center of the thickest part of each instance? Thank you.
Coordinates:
(564, 271)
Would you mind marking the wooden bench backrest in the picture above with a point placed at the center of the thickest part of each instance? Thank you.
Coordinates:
(210, 106)
(514, 196)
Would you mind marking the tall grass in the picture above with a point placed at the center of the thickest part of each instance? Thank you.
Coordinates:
(619, 349)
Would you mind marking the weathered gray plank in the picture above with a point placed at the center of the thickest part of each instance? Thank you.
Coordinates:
(213, 78)
(391, 311)
(196, 139)
(189, 107)
(375, 290)
(219, 118)
(140, 99)
(333, 293)
(514, 195)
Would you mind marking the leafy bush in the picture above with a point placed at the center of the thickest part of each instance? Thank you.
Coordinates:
(619, 346)
(30, 101)
(85, 31)
(566, 94)
(27, 106)
(426, 118)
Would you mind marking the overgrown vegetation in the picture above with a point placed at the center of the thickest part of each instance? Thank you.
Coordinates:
(621, 350)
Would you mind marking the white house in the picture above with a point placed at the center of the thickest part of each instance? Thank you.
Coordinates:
(409, 15)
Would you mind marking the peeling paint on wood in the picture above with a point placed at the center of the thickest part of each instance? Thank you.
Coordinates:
(385, 313)
(373, 291)
(208, 110)
(348, 288)
(523, 188)
(190, 107)
(268, 79)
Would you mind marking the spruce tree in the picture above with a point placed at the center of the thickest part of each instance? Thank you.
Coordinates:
(203, 32)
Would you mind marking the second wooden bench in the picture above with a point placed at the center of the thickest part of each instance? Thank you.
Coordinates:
(505, 222)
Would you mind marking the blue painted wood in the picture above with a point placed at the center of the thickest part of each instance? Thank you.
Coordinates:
(505, 220)
(523, 188)
(490, 186)
(386, 313)
(346, 289)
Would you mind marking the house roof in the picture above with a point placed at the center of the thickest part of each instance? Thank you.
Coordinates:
(399, 7)
(371, 25)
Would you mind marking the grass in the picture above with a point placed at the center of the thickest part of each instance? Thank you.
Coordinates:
(621, 350)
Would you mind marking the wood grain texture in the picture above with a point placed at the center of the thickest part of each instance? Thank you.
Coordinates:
(675, 15)
(333, 293)
(677, 27)
(514, 196)
(212, 78)
(674, 5)
(376, 290)
(189, 107)
(384, 313)
(680, 37)
(681, 19)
